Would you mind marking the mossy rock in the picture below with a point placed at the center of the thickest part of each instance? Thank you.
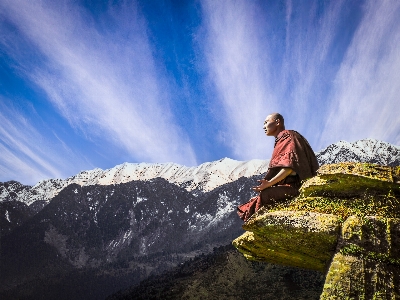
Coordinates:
(352, 179)
(352, 277)
(367, 265)
(373, 171)
(344, 207)
(372, 237)
(360, 199)
(294, 238)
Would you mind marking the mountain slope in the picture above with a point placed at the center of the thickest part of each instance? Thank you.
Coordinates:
(111, 231)
(132, 229)
(13, 214)
(226, 274)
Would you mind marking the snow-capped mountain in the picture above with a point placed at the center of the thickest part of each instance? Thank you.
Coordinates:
(367, 150)
(202, 178)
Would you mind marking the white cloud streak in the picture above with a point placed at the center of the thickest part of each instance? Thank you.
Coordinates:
(103, 82)
(306, 84)
(25, 153)
(309, 38)
(367, 88)
(234, 49)
(241, 40)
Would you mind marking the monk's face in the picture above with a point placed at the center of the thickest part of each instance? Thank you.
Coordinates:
(271, 126)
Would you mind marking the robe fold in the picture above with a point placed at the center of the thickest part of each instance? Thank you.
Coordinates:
(291, 150)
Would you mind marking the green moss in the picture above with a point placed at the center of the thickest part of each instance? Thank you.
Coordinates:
(298, 239)
(344, 185)
(352, 249)
(385, 205)
(353, 277)
(339, 282)
(369, 170)
(288, 252)
(352, 179)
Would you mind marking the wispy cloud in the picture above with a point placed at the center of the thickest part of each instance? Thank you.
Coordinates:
(306, 64)
(25, 153)
(328, 67)
(103, 80)
(365, 102)
(235, 51)
(267, 59)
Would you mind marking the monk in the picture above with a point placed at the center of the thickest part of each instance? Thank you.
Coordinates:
(292, 161)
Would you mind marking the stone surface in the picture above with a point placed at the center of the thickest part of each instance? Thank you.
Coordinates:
(367, 264)
(352, 277)
(374, 237)
(352, 179)
(349, 216)
(293, 238)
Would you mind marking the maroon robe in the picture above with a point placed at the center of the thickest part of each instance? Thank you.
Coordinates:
(291, 150)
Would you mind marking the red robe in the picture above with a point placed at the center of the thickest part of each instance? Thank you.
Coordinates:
(291, 150)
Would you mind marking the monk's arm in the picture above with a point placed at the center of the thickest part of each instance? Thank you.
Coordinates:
(282, 174)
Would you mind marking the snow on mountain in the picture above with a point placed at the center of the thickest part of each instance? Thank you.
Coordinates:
(204, 177)
(367, 150)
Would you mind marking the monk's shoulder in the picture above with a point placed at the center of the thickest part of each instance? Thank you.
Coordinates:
(295, 135)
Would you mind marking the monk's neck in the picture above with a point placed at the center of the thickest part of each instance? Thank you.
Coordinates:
(278, 132)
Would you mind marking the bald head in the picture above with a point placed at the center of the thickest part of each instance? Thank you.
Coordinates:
(274, 124)
(277, 116)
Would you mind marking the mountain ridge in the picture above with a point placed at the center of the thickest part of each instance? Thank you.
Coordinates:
(196, 180)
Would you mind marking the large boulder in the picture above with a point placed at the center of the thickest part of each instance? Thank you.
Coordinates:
(346, 222)
(294, 238)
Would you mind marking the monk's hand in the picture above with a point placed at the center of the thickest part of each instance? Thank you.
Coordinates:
(263, 185)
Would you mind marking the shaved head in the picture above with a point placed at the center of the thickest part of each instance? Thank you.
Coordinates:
(273, 124)
(277, 116)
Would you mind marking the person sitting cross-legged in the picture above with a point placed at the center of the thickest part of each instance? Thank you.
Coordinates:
(293, 160)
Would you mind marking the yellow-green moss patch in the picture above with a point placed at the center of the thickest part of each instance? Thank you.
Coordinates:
(372, 237)
(299, 239)
(346, 185)
(352, 277)
(352, 179)
(380, 205)
(369, 170)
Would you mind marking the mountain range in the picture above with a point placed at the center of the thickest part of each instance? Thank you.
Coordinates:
(95, 233)
(202, 178)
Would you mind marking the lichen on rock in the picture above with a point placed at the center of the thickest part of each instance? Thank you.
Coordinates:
(347, 216)
(367, 264)
(294, 238)
(352, 179)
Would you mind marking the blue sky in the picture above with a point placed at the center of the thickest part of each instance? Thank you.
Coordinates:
(86, 84)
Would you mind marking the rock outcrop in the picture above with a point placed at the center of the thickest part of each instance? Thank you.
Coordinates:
(345, 223)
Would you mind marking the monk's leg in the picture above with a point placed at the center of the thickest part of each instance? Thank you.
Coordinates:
(277, 194)
(268, 196)
(246, 210)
